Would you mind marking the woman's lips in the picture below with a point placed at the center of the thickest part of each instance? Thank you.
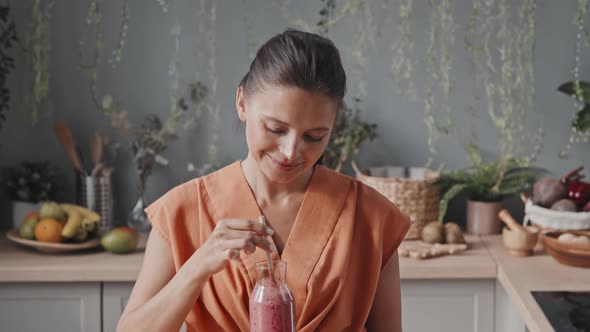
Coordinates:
(282, 165)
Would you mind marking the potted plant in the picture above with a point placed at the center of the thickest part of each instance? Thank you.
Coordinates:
(348, 134)
(28, 185)
(486, 186)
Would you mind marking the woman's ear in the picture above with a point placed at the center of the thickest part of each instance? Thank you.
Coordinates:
(241, 103)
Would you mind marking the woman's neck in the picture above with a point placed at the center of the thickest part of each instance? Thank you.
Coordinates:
(266, 190)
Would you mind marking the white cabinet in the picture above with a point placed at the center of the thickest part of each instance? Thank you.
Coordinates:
(115, 296)
(114, 299)
(64, 307)
(448, 305)
(507, 315)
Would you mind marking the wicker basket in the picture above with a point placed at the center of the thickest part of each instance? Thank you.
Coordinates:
(417, 198)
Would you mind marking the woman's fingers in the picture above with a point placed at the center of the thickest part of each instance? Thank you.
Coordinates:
(241, 244)
(245, 225)
(231, 254)
(254, 232)
(263, 243)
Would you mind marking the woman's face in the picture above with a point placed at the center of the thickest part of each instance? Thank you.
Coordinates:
(287, 128)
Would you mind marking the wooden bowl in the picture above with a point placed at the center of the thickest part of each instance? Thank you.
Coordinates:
(520, 243)
(567, 253)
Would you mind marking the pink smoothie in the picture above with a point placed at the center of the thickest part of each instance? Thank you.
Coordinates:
(271, 309)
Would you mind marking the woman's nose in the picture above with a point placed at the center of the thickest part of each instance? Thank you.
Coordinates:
(289, 147)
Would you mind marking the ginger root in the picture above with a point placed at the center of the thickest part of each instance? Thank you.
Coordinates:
(430, 251)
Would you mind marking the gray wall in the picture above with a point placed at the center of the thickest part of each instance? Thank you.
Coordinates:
(142, 85)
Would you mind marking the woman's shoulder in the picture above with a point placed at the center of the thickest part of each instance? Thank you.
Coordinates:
(197, 186)
(365, 194)
(367, 198)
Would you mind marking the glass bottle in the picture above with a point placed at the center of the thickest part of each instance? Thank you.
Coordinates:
(272, 308)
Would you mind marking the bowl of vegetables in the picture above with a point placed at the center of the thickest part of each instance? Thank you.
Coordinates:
(561, 204)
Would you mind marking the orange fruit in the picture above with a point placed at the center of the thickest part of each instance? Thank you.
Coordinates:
(31, 216)
(48, 230)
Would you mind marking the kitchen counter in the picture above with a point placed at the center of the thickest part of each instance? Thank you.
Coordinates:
(475, 263)
(22, 264)
(486, 259)
(539, 272)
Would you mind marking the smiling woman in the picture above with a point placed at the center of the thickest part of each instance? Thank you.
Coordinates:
(332, 233)
(287, 129)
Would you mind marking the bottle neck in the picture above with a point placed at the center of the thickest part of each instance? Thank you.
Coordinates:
(278, 273)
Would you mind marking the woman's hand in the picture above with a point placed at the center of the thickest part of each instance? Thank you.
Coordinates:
(229, 237)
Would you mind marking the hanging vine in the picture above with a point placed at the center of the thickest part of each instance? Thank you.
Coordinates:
(213, 105)
(118, 51)
(577, 136)
(508, 81)
(438, 69)
(250, 43)
(93, 17)
(38, 46)
(365, 37)
(402, 66)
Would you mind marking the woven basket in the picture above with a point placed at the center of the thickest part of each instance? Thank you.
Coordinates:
(417, 198)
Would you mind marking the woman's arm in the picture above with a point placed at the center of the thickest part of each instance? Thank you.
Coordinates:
(386, 312)
(161, 298)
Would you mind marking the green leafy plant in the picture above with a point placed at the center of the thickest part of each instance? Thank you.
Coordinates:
(30, 182)
(348, 134)
(581, 120)
(482, 182)
(7, 39)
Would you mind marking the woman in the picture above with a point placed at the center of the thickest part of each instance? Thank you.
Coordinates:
(338, 236)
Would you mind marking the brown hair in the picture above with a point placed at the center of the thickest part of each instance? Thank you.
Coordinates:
(301, 59)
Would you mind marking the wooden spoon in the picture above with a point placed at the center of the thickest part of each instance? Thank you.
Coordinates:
(96, 149)
(64, 135)
(507, 218)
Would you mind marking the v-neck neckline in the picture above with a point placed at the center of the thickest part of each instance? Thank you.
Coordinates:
(324, 199)
(276, 254)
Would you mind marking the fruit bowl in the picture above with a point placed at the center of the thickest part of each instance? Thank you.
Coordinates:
(13, 236)
(567, 253)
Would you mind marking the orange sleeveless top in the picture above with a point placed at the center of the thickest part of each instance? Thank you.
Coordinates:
(343, 235)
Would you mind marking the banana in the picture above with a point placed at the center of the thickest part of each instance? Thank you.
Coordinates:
(89, 226)
(89, 220)
(82, 235)
(73, 223)
(87, 214)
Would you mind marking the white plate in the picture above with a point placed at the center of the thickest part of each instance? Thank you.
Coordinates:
(13, 236)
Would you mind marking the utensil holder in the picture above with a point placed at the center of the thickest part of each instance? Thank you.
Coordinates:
(96, 193)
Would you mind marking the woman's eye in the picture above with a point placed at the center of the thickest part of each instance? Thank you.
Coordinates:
(310, 138)
(275, 131)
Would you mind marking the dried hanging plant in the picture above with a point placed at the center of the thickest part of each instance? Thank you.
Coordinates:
(152, 137)
(508, 81)
(438, 70)
(402, 66)
(38, 46)
(251, 44)
(118, 51)
(365, 37)
(326, 13)
(576, 135)
(93, 18)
